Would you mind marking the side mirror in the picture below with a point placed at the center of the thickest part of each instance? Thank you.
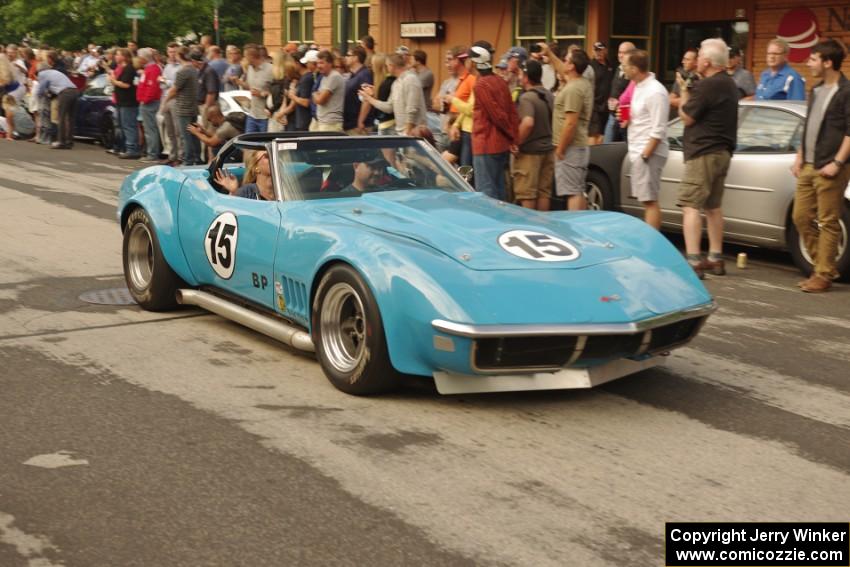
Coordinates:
(465, 171)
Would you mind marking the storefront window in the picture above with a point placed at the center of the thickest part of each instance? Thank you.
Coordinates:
(631, 20)
(564, 21)
(358, 20)
(676, 38)
(299, 22)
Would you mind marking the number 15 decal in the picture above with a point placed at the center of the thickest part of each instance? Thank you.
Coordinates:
(537, 246)
(220, 244)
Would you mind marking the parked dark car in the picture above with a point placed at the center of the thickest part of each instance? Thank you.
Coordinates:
(96, 116)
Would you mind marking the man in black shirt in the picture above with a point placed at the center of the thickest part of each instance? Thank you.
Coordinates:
(301, 93)
(603, 75)
(709, 110)
(619, 82)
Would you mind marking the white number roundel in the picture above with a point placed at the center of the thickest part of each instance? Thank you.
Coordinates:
(537, 246)
(220, 244)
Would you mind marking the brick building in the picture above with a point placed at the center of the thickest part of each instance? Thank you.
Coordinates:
(664, 27)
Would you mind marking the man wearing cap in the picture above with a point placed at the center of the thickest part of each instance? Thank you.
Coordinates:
(330, 97)
(603, 74)
(779, 81)
(744, 80)
(302, 93)
(494, 124)
(258, 79)
(534, 166)
(516, 59)
(573, 108)
(367, 175)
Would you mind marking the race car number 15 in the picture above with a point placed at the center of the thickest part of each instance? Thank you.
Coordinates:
(220, 244)
(537, 246)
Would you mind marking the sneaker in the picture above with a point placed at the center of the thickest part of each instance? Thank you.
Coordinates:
(816, 284)
(59, 146)
(112, 151)
(148, 159)
(128, 156)
(801, 283)
(718, 268)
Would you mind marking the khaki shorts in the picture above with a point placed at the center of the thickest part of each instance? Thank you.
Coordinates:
(703, 180)
(533, 175)
(336, 127)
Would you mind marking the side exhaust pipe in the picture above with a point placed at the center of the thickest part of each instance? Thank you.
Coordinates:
(273, 328)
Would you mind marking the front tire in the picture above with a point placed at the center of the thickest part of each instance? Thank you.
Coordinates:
(802, 258)
(150, 279)
(349, 335)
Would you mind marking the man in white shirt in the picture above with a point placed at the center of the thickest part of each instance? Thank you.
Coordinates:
(647, 134)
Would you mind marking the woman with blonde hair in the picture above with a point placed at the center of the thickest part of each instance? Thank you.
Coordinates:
(385, 121)
(284, 72)
(257, 181)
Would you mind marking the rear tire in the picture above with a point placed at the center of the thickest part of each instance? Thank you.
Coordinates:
(801, 256)
(349, 335)
(150, 279)
(600, 196)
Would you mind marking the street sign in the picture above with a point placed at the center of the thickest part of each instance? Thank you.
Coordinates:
(134, 13)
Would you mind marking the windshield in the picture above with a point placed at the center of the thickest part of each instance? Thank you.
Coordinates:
(341, 168)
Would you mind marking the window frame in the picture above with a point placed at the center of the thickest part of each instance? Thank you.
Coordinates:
(615, 40)
(355, 6)
(302, 8)
(549, 26)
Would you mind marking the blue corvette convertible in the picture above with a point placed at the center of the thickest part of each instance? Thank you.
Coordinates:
(376, 255)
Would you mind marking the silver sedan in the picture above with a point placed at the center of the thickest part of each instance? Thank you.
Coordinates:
(759, 190)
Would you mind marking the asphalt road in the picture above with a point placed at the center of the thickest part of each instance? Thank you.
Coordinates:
(132, 438)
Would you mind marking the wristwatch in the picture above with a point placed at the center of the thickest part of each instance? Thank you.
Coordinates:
(838, 162)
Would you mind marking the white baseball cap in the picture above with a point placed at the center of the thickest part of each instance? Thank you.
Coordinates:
(310, 57)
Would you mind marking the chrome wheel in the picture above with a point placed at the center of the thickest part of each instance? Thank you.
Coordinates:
(842, 243)
(595, 197)
(140, 257)
(343, 328)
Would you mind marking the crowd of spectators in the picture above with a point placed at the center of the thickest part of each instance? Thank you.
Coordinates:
(524, 120)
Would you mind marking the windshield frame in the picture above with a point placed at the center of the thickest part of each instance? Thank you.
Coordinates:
(285, 193)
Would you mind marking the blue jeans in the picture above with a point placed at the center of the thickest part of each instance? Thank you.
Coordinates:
(148, 112)
(128, 121)
(256, 124)
(489, 171)
(465, 148)
(613, 132)
(191, 145)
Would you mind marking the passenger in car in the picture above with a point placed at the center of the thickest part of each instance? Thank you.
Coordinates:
(257, 183)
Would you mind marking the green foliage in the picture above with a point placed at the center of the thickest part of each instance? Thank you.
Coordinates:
(71, 24)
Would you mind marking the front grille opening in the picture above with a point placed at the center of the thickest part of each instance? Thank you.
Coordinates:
(524, 352)
(610, 346)
(671, 335)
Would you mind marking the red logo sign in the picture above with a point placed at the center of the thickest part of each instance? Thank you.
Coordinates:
(799, 28)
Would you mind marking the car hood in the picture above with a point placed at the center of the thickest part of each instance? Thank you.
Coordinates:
(467, 227)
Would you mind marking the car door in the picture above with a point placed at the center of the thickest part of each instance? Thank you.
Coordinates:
(90, 107)
(229, 242)
(759, 186)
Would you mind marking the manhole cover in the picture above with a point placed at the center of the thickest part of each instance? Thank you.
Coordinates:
(114, 296)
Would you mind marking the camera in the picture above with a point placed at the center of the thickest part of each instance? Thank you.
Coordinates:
(535, 48)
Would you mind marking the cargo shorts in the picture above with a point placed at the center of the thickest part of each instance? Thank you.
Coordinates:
(703, 180)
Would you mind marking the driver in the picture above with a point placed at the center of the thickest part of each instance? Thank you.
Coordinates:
(367, 175)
